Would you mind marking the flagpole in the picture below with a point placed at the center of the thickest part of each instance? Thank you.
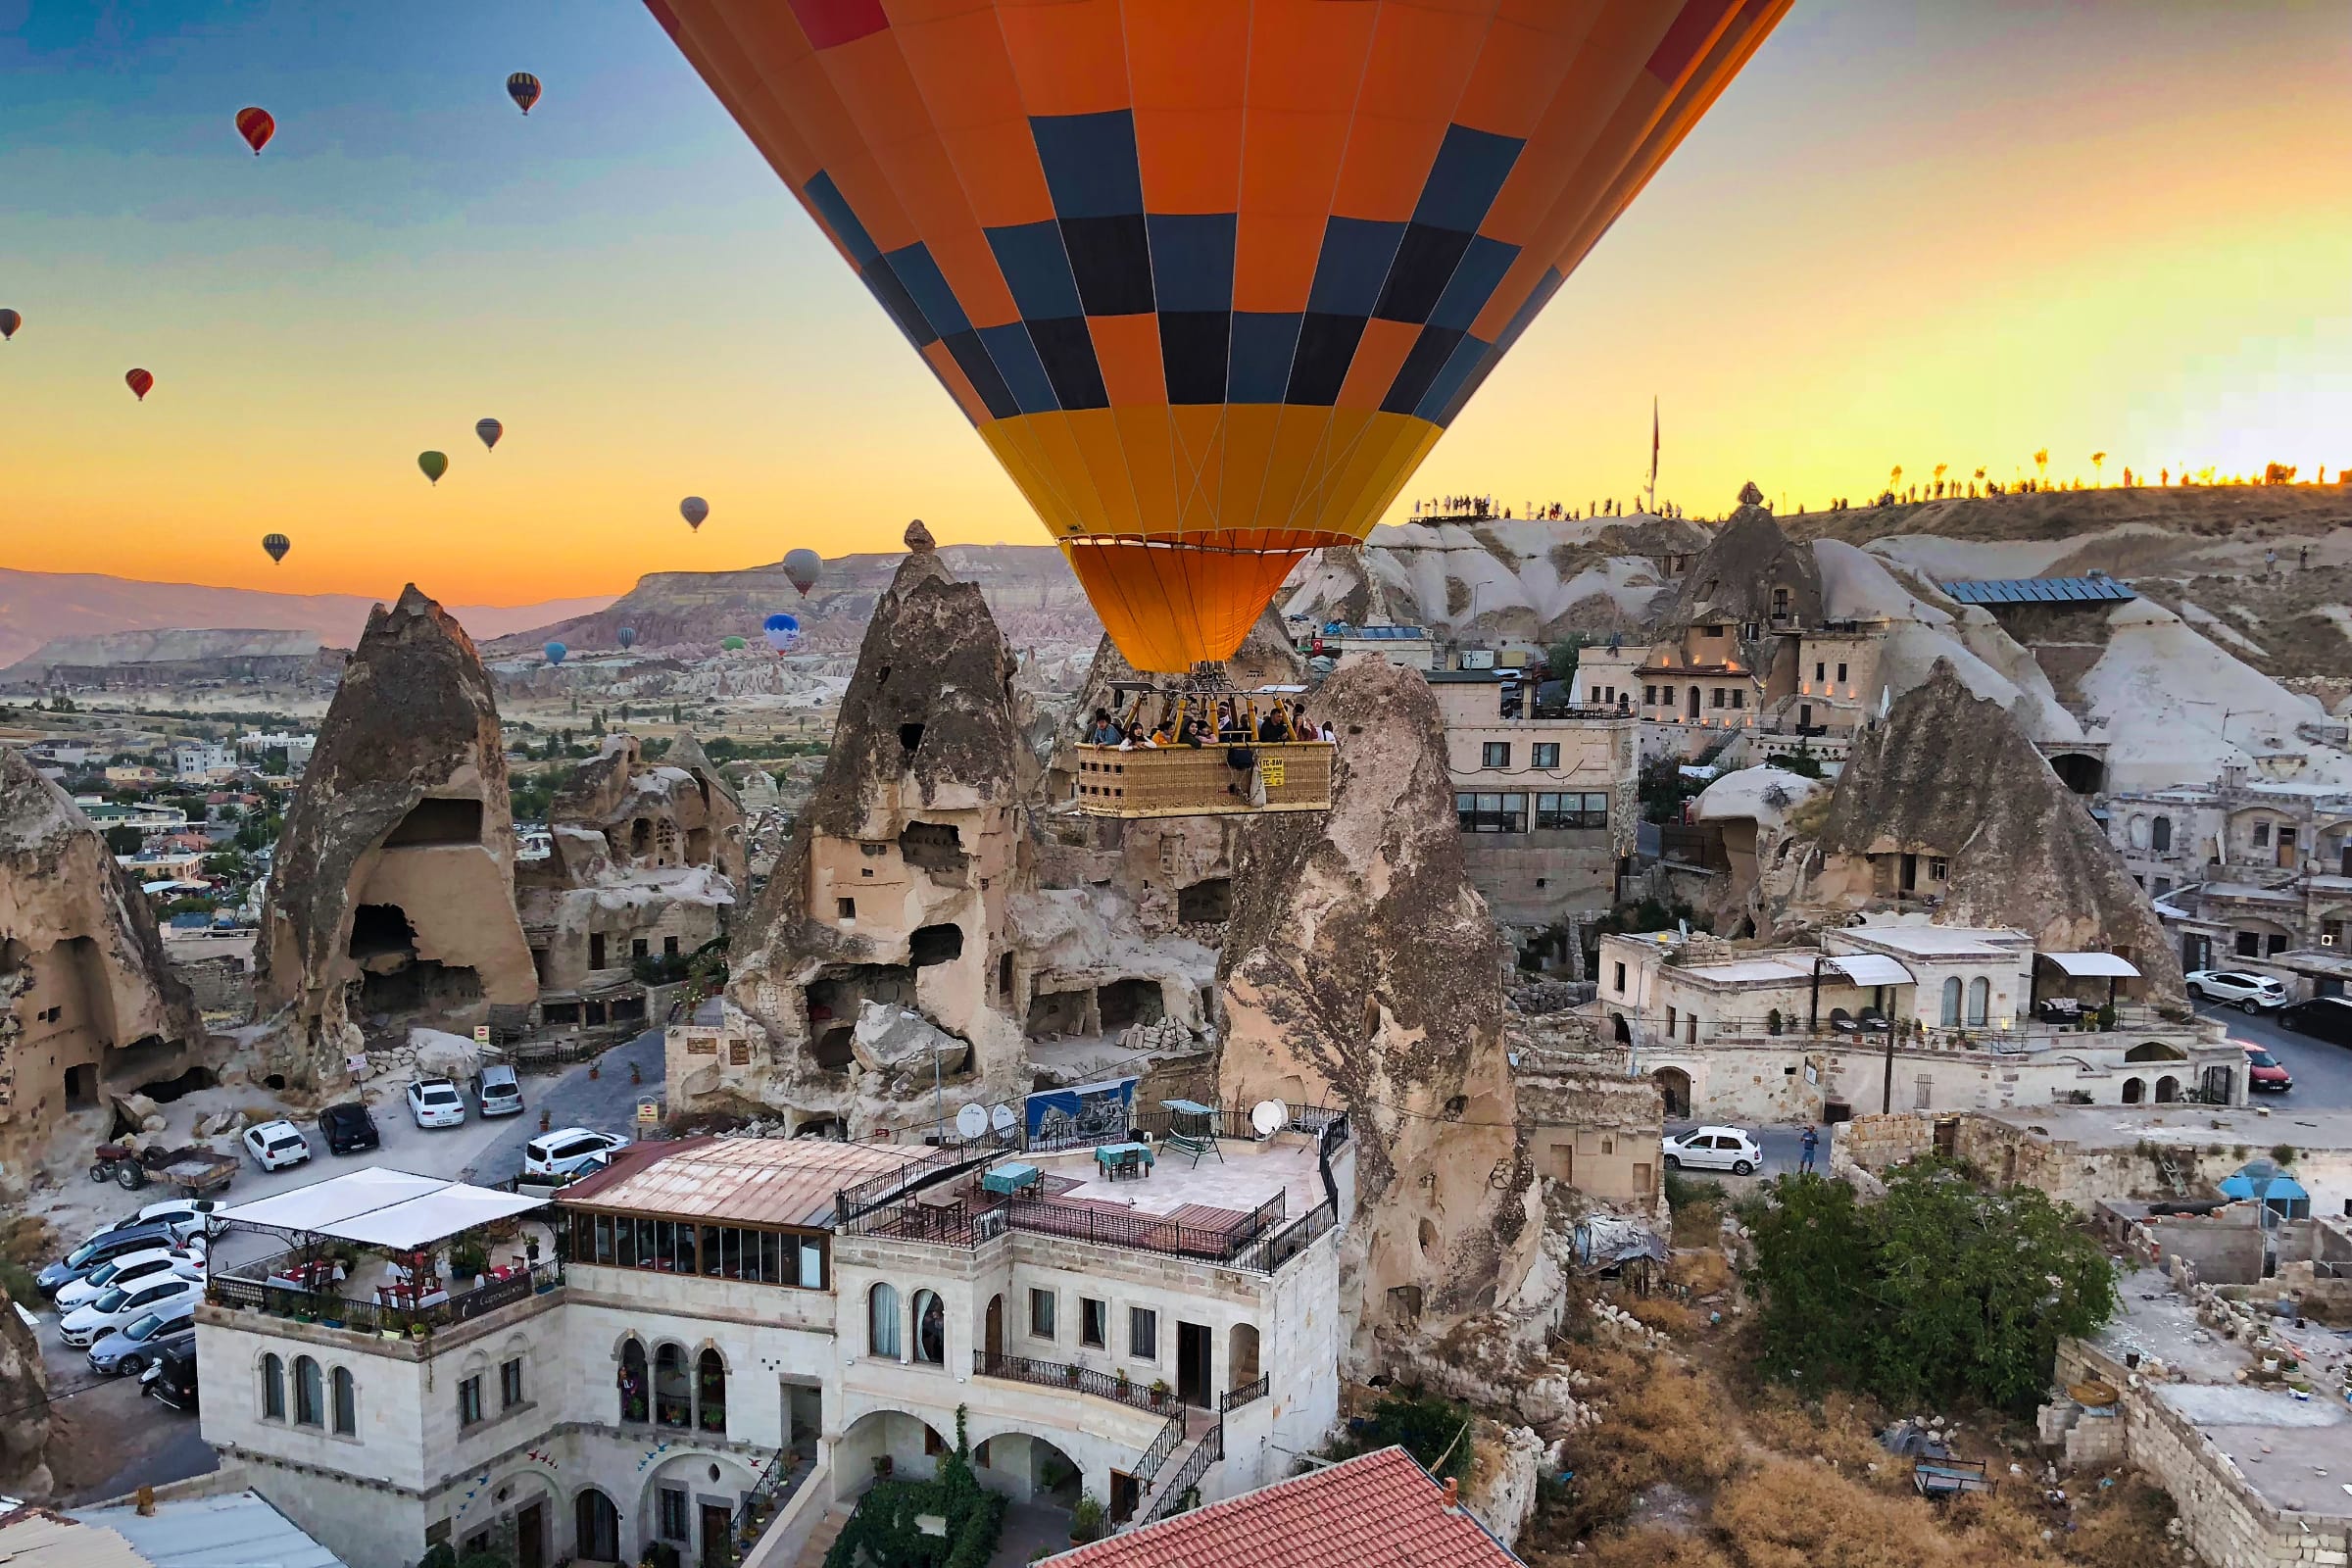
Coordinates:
(1653, 455)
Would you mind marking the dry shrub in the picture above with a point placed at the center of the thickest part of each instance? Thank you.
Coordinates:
(1841, 1429)
(1661, 1422)
(1702, 1271)
(1797, 1514)
(1661, 1312)
(2120, 1527)
(1648, 1549)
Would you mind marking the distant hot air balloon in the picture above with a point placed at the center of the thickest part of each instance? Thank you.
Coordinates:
(277, 544)
(555, 653)
(257, 127)
(781, 631)
(801, 568)
(694, 509)
(524, 88)
(10, 321)
(627, 637)
(1194, 372)
(733, 645)
(489, 431)
(434, 465)
(140, 383)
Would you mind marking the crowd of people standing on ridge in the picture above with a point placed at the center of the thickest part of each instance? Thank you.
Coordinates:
(1478, 506)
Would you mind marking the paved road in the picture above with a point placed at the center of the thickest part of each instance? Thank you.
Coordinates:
(605, 1103)
(2323, 1070)
(1781, 1145)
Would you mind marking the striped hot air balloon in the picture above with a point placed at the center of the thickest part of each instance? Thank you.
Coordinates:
(524, 88)
(140, 383)
(276, 545)
(1212, 276)
(10, 321)
(489, 431)
(257, 127)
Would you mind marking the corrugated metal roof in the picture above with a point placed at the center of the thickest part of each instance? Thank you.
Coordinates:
(2041, 591)
(35, 1537)
(750, 1181)
(238, 1531)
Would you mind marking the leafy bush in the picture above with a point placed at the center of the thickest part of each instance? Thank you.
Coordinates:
(883, 1523)
(1425, 1425)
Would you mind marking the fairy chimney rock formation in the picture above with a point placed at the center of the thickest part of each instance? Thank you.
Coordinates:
(894, 888)
(1362, 970)
(392, 899)
(1948, 776)
(88, 1005)
(1750, 575)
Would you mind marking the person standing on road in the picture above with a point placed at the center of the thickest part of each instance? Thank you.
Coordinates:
(1811, 1141)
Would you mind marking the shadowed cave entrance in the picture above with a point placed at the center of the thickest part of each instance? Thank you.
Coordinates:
(396, 986)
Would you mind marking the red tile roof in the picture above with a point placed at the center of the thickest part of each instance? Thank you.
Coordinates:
(1378, 1510)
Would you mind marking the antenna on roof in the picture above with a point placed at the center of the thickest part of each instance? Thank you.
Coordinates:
(970, 1122)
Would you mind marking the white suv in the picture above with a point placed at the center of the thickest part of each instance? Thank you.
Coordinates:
(2248, 993)
(1714, 1148)
(436, 1102)
(565, 1151)
(276, 1145)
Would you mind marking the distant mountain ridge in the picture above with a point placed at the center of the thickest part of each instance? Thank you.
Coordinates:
(38, 606)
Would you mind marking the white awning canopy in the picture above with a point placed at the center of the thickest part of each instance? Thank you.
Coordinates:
(1869, 968)
(388, 1208)
(2099, 964)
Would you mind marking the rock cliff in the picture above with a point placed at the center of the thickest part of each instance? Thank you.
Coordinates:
(88, 1005)
(1360, 969)
(392, 898)
(23, 1409)
(1749, 573)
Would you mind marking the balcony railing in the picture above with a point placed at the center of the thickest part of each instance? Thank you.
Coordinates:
(1247, 1393)
(1077, 1378)
(1181, 1485)
(246, 1288)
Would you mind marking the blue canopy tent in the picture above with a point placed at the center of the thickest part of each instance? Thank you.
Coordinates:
(2284, 1196)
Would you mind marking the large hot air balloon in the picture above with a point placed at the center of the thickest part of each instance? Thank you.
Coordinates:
(800, 568)
(1212, 276)
(140, 383)
(627, 637)
(694, 509)
(434, 465)
(524, 88)
(555, 653)
(782, 632)
(276, 545)
(257, 127)
(10, 321)
(489, 431)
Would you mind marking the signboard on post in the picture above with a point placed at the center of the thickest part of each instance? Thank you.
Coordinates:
(649, 1113)
(482, 1034)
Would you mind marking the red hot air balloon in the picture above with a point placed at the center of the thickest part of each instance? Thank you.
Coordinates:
(140, 383)
(524, 88)
(257, 127)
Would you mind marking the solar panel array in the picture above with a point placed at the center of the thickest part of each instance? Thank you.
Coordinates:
(2041, 591)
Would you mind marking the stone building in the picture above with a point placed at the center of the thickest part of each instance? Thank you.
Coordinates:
(88, 1005)
(391, 899)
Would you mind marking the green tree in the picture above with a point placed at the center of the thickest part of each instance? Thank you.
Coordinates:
(1560, 658)
(1814, 1261)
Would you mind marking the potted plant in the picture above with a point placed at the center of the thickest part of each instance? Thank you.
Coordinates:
(466, 1257)
(1086, 1520)
(1772, 1021)
(883, 1465)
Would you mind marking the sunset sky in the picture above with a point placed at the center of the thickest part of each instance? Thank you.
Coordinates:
(1909, 234)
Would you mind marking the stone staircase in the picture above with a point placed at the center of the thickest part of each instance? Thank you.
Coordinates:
(821, 1539)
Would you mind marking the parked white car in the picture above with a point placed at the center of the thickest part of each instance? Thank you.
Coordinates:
(2248, 993)
(119, 1308)
(276, 1145)
(436, 1102)
(497, 1092)
(1714, 1148)
(187, 1216)
(129, 1269)
(553, 1156)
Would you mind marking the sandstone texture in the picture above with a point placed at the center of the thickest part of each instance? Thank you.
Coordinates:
(23, 1409)
(392, 898)
(1360, 969)
(88, 1005)
(1749, 573)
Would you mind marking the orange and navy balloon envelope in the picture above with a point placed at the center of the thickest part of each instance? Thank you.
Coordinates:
(1211, 277)
(524, 88)
(277, 544)
(140, 383)
(257, 127)
(10, 321)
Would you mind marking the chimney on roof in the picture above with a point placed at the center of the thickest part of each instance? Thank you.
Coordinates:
(1454, 1494)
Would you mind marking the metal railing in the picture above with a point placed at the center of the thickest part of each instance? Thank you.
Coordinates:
(247, 1287)
(1268, 1256)
(1247, 1393)
(941, 1164)
(777, 1482)
(1170, 1439)
(1170, 1499)
(1078, 1379)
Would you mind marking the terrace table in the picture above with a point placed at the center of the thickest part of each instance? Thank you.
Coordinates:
(308, 1276)
(1123, 1159)
(1009, 1181)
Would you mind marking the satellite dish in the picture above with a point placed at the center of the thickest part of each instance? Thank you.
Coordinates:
(1001, 1118)
(1267, 1117)
(971, 1121)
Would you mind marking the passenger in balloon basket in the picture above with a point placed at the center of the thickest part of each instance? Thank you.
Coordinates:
(1104, 730)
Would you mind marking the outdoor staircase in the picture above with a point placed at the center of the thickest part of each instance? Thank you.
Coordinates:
(1200, 1427)
(821, 1539)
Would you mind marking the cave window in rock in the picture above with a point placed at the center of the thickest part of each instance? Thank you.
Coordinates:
(381, 931)
(839, 990)
(81, 1087)
(1208, 902)
(833, 1050)
(1004, 977)
(1130, 1000)
(641, 836)
(437, 821)
(2083, 774)
(698, 845)
(1621, 1031)
(934, 847)
(911, 738)
(1979, 1000)
(935, 944)
(1057, 1012)
(1428, 1239)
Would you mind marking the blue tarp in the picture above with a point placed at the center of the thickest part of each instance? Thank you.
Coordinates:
(1085, 1110)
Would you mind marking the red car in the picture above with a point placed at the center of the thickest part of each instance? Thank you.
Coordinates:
(2264, 1071)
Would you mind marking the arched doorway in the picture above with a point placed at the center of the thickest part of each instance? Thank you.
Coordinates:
(711, 1393)
(673, 1398)
(1241, 1360)
(1618, 1027)
(1674, 1086)
(1030, 1469)
(636, 1387)
(595, 1526)
(2079, 772)
(1694, 705)
(911, 1445)
(2167, 1090)
(991, 1338)
(2136, 1090)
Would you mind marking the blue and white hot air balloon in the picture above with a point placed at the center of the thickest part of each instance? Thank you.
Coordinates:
(627, 637)
(555, 653)
(782, 631)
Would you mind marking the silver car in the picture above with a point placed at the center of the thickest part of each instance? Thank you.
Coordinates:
(131, 1347)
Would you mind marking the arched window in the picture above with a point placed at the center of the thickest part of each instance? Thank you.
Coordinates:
(674, 1401)
(636, 1392)
(2160, 835)
(1952, 1002)
(310, 1393)
(882, 1321)
(273, 1388)
(2136, 1090)
(710, 1392)
(347, 1402)
(930, 1328)
(1980, 1000)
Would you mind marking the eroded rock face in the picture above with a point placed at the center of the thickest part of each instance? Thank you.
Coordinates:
(1361, 969)
(392, 899)
(23, 1409)
(1749, 573)
(1949, 776)
(89, 1007)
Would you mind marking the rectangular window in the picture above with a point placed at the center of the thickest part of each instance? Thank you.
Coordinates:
(2249, 944)
(595, 949)
(2277, 941)
(509, 1383)
(2164, 885)
(1586, 809)
(1939, 868)
(1842, 672)
(1093, 1322)
(1041, 1314)
(1738, 696)
(673, 1524)
(1621, 979)
(1547, 753)
(1595, 699)
(1716, 700)
(1143, 1334)
(469, 1401)
(1494, 754)
(1650, 696)
(847, 909)
(1490, 813)
(813, 1265)
(669, 946)
(1820, 670)
(637, 948)
(2262, 835)
(1672, 1018)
